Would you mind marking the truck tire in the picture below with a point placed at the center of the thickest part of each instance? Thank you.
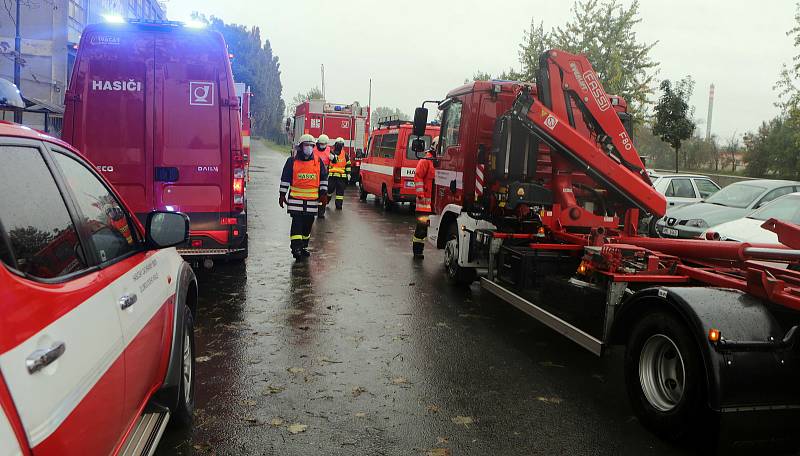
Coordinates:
(385, 201)
(455, 273)
(664, 376)
(183, 413)
(362, 194)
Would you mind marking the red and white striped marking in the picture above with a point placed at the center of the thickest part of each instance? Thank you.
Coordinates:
(478, 181)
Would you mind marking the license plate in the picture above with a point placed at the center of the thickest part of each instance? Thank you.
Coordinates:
(669, 231)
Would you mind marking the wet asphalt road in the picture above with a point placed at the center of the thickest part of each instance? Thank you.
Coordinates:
(364, 351)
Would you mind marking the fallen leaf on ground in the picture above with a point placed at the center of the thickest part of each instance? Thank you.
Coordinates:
(248, 402)
(297, 428)
(550, 364)
(201, 446)
(358, 390)
(432, 408)
(296, 370)
(549, 400)
(328, 360)
(465, 420)
(272, 390)
(250, 419)
(438, 452)
(442, 324)
(361, 414)
(442, 439)
(275, 422)
(399, 381)
(202, 359)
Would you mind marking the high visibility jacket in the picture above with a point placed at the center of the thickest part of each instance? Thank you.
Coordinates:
(340, 165)
(305, 179)
(323, 155)
(423, 183)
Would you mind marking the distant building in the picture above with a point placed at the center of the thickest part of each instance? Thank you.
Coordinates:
(50, 31)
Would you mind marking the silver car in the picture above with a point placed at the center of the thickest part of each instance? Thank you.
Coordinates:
(730, 203)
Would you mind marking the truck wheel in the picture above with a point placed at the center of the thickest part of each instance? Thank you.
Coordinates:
(385, 201)
(362, 194)
(183, 413)
(664, 376)
(455, 273)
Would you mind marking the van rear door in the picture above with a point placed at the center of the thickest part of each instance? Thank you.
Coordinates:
(192, 153)
(108, 105)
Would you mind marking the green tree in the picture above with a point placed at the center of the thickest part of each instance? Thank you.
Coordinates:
(673, 116)
(313, 93)
(382, 112)
(254, 64)
(604, 32)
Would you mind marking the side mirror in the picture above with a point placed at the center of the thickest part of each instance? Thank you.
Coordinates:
(420, 121)
(418, 146)
(166, 229)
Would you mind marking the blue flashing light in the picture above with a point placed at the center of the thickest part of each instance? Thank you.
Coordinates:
(114, 19)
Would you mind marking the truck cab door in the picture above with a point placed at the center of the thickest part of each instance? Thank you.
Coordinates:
(449, 182)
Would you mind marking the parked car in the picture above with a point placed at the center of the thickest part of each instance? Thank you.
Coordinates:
(96, 328)
(154, 106)
(748, 229)
(388, 169)
(730, 203)
(680, 189)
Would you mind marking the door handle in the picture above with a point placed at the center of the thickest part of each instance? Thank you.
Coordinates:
(41, 358)
(127, 300)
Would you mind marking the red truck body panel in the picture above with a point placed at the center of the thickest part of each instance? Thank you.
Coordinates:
(154, 107)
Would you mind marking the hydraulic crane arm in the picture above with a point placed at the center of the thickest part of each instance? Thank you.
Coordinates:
(567, 85)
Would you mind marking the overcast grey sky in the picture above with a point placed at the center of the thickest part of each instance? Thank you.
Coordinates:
(415, 50)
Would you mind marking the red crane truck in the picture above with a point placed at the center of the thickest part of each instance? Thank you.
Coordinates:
(317, 117)
(538, 191)
(153, 106)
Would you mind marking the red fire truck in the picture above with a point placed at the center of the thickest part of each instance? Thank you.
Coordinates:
(243, 94)
(316, 117)
(538, 191)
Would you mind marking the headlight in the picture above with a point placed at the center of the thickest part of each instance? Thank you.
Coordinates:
(697, 223)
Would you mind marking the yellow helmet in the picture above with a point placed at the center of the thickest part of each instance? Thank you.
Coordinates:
(306, 138)
(323, 139)
(339, 140)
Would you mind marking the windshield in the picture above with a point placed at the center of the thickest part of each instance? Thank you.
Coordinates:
(786, 209)
(410, 154)
(736, 195)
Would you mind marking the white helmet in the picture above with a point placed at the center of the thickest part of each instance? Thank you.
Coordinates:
(306, 138)
(339, 140)
(323, 139)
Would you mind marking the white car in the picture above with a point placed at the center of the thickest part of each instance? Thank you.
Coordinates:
(683, 189)
(748, 229)
(680, 189)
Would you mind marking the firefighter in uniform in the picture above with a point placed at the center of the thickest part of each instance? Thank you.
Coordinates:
(339, 172)
(304, 188)
(423, 184)
(323, 153)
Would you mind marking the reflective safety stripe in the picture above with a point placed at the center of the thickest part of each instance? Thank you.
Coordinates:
(305, 238)
(334, 174)
(340, 197)
(417, 240)
(304, 193)
(296, 237)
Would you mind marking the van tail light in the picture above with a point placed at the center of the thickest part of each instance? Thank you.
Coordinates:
(238, 189)
(396, 175)
(246, 145)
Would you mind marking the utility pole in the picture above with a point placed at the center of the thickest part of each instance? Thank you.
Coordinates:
(710, 111)
(17, 63)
